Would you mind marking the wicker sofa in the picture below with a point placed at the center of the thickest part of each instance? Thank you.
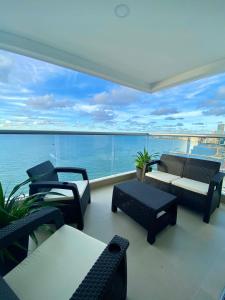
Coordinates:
(67, 265)
(197, 183)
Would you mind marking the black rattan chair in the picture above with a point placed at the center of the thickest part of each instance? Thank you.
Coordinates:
(75, 194)
(68, 265)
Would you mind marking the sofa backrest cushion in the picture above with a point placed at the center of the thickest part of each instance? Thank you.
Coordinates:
(43, 172)
(172, 164)
(200, 170)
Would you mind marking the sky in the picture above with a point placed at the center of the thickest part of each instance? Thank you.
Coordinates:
(40, 96)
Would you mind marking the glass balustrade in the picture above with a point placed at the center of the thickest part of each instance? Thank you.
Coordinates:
(101, 154)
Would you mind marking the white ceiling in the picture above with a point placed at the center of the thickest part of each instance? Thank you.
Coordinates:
(160, 43)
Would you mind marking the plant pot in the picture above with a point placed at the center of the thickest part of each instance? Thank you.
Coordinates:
(140, 175)
(17, 252)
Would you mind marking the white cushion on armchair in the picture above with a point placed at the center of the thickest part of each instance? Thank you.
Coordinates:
(81, 186)
(57, 267)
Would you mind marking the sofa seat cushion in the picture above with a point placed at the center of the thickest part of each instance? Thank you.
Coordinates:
(67, 194)
(192, 185)
(162, 176)
(57, 267)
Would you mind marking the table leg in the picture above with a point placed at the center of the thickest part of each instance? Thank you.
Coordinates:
(173, 214)
(151, 238)
(152, 230)
(114, 196)
(114, 208)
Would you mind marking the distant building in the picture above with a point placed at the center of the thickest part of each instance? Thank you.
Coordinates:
(220, 128)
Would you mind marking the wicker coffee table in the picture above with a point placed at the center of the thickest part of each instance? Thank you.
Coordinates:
(147, 205)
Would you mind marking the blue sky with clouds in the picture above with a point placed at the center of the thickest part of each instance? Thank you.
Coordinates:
(38, 95)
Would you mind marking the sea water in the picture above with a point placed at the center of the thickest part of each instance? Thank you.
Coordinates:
(101, 155)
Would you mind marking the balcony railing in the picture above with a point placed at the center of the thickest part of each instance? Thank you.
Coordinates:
(101, 153)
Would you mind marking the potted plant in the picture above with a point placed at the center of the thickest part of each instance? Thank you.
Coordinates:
(14, 206)
(142, 160)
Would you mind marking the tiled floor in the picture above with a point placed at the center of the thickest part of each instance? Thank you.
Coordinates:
(186, 262)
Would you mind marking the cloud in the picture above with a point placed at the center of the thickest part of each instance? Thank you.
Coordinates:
(47, 102)
(214, 106)
(116, 96)
(5, 68)
(135, 117)
(215, 111)
(164, 111)
(169, 125)
(19, 70)
(38, 90)
(173, 118)
(198, 123)
(45, 122)
(194, 94)
(103, 115)
(173, 125)
(86, 108)
(189, 114)
(221, 91)
(212, 102)
(138, 125)
(36, 123)
(142, 119)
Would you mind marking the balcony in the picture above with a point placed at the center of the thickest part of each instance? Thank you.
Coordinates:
(185, 261)
(148, 47)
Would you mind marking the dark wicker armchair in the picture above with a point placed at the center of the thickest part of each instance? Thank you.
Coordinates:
(68, 265)
(77, 193)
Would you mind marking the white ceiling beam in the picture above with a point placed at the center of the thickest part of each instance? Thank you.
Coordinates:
(35, 49)
(194, 74)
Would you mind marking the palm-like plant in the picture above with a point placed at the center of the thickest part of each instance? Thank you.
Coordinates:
(143, 158)
(17, 205)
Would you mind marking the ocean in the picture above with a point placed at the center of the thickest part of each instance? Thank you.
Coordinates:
(101, 155)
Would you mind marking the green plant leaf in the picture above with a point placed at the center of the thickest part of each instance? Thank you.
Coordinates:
(5, 254)
(143, 158)
(19, 205)
(17, 187)
(2, 197)
(17, 244)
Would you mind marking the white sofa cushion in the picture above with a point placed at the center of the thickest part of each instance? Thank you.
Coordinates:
(162, 176)
(81, 185)
(192, 185)
(57, 267)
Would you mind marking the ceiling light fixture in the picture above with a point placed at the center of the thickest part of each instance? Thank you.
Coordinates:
(122, 10)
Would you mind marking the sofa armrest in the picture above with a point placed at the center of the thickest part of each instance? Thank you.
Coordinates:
(25, 226)
(153, 162)
(213, 196)
(37, 186)
(97, 282)
(217, 178)
(215, 183)
(75, 170)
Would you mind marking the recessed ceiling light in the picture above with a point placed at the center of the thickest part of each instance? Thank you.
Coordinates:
(122, 10)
